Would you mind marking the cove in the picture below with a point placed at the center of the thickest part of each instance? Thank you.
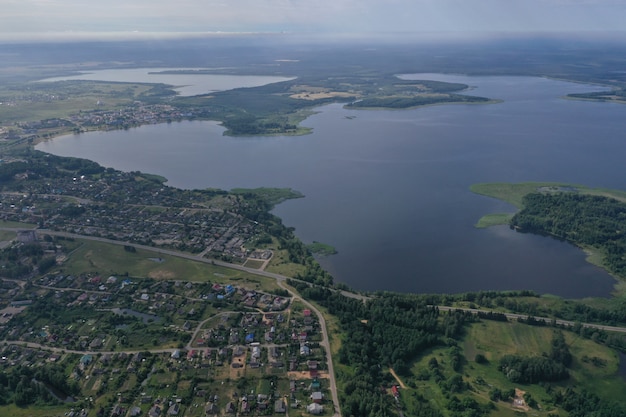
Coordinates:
(390, 189)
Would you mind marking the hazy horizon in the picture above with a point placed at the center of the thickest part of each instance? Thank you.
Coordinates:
(32, 20)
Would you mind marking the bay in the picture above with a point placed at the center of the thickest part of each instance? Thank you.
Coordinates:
(390, 189)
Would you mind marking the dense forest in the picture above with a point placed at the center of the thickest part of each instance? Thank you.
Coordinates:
(586, 220)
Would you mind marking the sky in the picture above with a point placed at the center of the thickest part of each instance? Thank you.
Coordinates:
(20, 19)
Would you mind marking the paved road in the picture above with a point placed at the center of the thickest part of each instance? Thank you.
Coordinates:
(326, 343)
(548, 320)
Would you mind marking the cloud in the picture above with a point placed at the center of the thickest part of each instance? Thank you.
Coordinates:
(21, 16)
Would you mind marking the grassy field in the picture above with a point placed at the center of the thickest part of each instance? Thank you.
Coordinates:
(16, 225)
(61, 99)
(280, 264)
(253, 263)
(496, 339)
(495, 219)
(34, 411)
(7, 236)
(110, 259)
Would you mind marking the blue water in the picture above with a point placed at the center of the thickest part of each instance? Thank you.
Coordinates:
(390, 189)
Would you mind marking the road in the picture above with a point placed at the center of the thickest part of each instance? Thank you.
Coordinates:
(548, 320)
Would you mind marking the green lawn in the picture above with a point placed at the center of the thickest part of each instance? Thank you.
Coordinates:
(112, 259)
(496, 339)
(494, 219)
(16, 225)
(33, 411)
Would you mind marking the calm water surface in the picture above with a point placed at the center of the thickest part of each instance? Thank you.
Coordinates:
(390, 189)
(186, 84)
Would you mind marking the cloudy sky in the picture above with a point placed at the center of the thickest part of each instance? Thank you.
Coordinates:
(20, 18)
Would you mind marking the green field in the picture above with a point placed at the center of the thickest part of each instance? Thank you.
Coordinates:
(496, 339)
(34, 411)
(7, 236)
(16, 225)
(112, 259)
(64, 98)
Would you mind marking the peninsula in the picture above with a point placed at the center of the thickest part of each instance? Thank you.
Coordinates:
(594, 219)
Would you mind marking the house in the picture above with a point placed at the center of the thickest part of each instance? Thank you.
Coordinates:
(174, 409)
(317, 397)
(96, 343)
(230, 408)
(314, 408)
(245, 407)
(118, 411)
(273, 351)
(279, 406)
(256, 352)
(211, 408)
(315, 385)
(305, 350)
(155, 411)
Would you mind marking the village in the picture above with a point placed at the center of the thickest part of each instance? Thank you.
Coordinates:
(206, 222)
(169, 347)
(218, 343)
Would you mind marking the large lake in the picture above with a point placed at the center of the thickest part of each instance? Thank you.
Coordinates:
(390, 189)
(187, 83)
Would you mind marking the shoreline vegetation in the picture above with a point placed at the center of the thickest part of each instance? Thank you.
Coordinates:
(590, 218)
(272, 196)
(321, 249)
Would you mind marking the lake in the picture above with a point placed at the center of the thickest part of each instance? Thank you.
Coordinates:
(390, 189)
(184, 84)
